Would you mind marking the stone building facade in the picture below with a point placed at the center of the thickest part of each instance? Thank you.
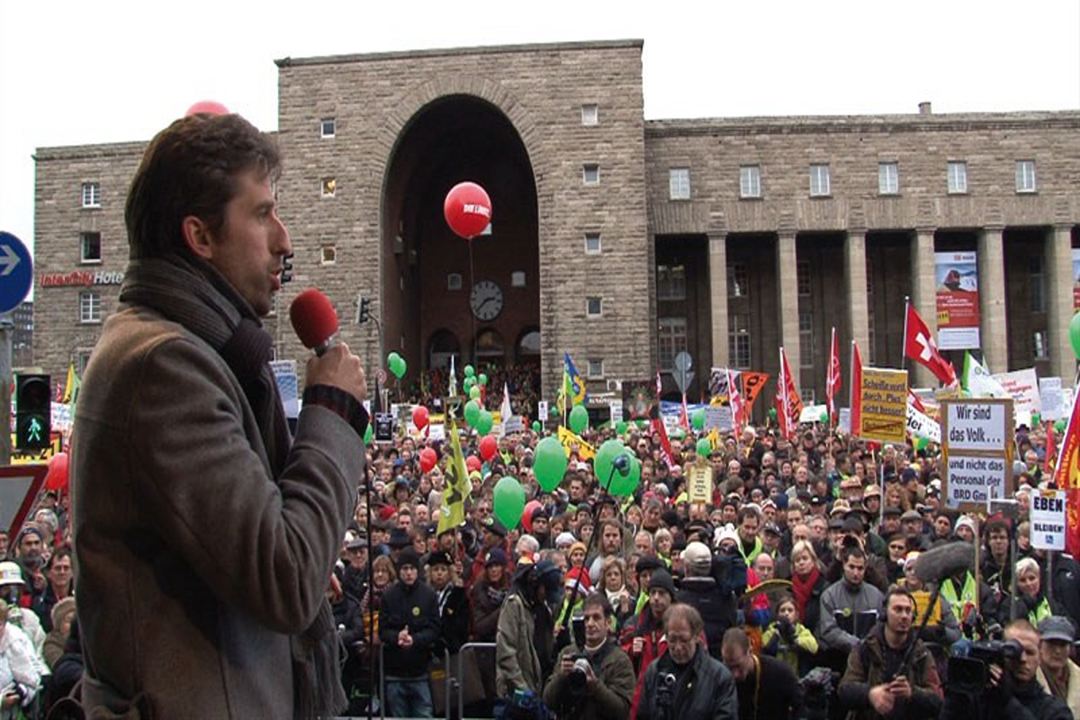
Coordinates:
(617, 239)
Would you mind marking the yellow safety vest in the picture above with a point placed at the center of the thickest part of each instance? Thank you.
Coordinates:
(968, 596)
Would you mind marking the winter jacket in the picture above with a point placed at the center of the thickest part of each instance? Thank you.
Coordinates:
(413, 606)
(517, 665)
(841, 596)
(873, 662)
(717, 608)
(486, 603)
(1071, 691)
(653, 645)
(793, 644)
(705, 690)
(1022, 701)
(608, 698)
(453, 620)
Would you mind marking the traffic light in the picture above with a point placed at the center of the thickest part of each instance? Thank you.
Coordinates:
(365, 311)
(286, 269)
(33, 412)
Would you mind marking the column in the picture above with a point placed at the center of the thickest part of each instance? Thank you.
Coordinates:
(858, 301)
(993, 332)
(1059, 301)
(923, 298)
(718, 298)
(787, 283)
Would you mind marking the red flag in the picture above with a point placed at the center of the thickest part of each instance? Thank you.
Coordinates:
(833, 379)
(1072, 523)
(658, 426)
(1048, 460)
(1067, 478)
(735, 401)
(915, 402)
(684, 417)
(855, 395)
(919, 345)
(788, 402)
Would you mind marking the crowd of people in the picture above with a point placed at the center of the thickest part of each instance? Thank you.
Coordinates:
(792, 592)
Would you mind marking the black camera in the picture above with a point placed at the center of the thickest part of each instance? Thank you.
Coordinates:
(816, 687)
(665, 690)
(579, 674)
(969, 666)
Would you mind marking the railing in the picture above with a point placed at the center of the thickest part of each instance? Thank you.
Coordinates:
(451, 682)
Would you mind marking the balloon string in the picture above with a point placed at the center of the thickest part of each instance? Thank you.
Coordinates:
(472, 315)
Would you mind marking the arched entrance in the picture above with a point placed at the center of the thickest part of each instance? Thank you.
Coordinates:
(432, 291)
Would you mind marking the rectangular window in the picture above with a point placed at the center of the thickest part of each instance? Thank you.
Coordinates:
(803, 276)
(1040, 345)
(670, 282)
(590, 115)
(670, 341)
(590, 174)
(750, 181)
(739, 340)
(90, 247)
(806, 339)
(679, 183)
(1037, 284)
(594, 307)
(453, 281)
(807, 395)
(957, 177)
(819, 181)
(595, 368)
(328, 127)
(91, 195)
(329, 187)
(89, 307)
(888, 178)
(738, 280)
(82, 359)
(329, 254)
(1025, 176)
(517, 278)
(592, 244)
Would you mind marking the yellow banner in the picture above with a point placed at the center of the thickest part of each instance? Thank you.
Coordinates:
(884, 405)
(699, 483)
(568, 439)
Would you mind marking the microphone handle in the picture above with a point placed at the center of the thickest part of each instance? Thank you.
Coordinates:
(325, 345)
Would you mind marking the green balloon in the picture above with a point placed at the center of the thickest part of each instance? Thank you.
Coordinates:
(704, 447)
(483, 379)
(396, 363)
(509, 501)
(772, 413)
(824, 417)
(1074, 334)
(369, 434)
(469, 371)
(605, 457)
(697, 419)
(642, 424)
(549, 463)
(469, 384)
(921, 443)
(1036, 419)
(474, 393)
(484, 422)
(677, 434)
(1059, 426)
(579, 419)
(472, 412)
(625, 486)
(621, 427)
(536, 426)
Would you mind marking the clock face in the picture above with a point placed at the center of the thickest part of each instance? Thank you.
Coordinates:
(486, 300)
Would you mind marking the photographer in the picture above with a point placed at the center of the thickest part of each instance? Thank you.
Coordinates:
(596, 681)
(1011, 690)
(891, 673)
(686, 682)
(712, 585)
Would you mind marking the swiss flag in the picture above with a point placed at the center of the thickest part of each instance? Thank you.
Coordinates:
(919, 345)
(833, 380)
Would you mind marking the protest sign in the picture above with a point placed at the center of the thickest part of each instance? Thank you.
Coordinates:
(977, 445)
(1023, 386)
(699, 482)
(1048, 520)
(1051, 399)
(883, 396)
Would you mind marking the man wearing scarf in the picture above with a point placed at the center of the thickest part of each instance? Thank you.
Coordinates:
(205, 534)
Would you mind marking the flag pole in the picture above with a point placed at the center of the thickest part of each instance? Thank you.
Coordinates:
(903, 344)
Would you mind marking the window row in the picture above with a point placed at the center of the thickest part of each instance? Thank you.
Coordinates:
(750, 187)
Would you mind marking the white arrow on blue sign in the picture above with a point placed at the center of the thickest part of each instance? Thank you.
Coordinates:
(16, 272)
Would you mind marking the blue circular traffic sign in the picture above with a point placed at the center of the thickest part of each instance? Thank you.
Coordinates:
(16, 272)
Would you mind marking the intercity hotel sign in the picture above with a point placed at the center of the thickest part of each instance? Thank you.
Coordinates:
(80, 278)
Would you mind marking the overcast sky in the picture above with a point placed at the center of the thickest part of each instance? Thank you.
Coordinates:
(106, 71)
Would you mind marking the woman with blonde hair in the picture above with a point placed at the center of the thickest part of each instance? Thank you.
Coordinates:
(807, 583)
(21, 668)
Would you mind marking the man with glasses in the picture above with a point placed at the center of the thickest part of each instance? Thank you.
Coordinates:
(1057, 674)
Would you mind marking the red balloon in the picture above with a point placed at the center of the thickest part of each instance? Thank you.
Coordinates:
(472, 463)
(467, 209)
(526, 514)
(488, 447)
(420, 417)
(428, 459)
(207, 107)
(57, 476)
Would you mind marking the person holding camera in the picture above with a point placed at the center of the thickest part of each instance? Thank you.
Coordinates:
(594, 681)
(1011, 690)
(891, 673)
(687, 682)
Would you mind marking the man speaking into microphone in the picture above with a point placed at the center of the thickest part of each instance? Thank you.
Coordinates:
(204, 534)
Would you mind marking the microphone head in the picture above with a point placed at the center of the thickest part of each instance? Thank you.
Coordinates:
(621, 463)
(313, 318)
(945, 561)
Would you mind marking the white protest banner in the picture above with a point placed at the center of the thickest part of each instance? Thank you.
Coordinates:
(971, 478)
(542, 411)
(616, 411)
(922, 426)
(1048, 520)
(288, 386)
(699, 485)
(718, 417)
(843, 424)
(975, 425)
(436, 431)
(1050, 398)
(812, 413)
(1023, 386)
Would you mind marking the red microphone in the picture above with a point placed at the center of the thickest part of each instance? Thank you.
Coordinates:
(314, 320)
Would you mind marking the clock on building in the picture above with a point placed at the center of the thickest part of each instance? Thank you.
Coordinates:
(486, 300)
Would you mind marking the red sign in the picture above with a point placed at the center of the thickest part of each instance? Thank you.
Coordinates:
(19, 487)
(957, 300)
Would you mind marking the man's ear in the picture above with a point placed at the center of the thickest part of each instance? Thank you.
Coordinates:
(197, 237)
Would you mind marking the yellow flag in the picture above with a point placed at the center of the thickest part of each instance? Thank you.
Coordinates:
(452, 513)
(568, 438)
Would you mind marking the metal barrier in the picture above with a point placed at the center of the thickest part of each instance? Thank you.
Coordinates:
(461, 673)
(450, 682)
